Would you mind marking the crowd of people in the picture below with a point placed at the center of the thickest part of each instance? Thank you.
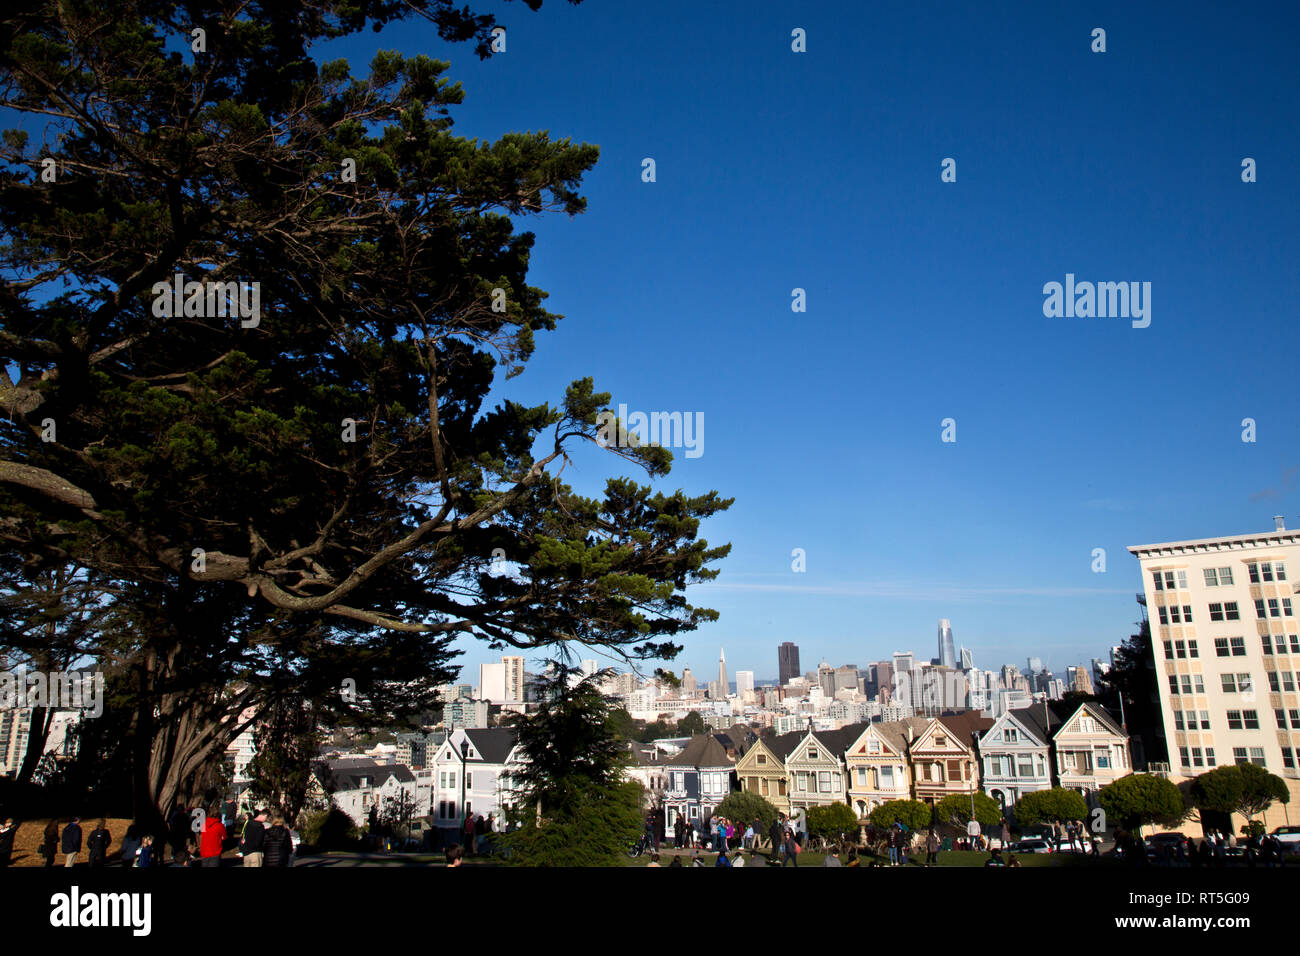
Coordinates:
(194, 837)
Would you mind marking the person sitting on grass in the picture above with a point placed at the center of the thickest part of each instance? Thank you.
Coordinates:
(654, 860)
(455, 854)
(995, 858)
(1011, 860)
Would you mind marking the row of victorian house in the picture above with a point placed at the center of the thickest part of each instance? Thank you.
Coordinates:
(864, 765)
(1080, 748)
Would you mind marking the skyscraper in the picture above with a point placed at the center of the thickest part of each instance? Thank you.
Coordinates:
(744, 682)
(967, 659)
(787, 657)
(722, 672)
(947, 653)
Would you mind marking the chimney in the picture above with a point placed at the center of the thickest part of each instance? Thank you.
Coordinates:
(1279, 524)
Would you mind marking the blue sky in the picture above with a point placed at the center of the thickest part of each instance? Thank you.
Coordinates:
(821, 170)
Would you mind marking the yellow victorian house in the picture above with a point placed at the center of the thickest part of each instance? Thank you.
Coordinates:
(761, 769)
(876, 764)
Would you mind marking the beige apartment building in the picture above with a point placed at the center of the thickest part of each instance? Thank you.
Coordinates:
(1226, 638)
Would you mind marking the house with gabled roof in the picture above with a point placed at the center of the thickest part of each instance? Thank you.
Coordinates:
(1015, 756)
(943, 756)
(1090, 749)
(877, 765)
(761, 769)
(478, 762)
(698, 779)
(815, 768)
(358, 786)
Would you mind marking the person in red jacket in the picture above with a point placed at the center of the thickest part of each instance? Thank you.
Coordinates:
(211, 840)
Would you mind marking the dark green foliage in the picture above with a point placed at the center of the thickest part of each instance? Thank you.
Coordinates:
(913, 814)
(743, 806)
(286, 740)
(595, 828)
(832, 821)
(321, 559)
(1142, 798)
(955, 809)
(1240, 788)
(1055, 805)
(691, 724)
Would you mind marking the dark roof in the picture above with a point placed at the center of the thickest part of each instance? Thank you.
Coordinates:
(783, 744)
(966, 724)
(1032, 719)
(702, 751)
(492, 744)
(337, 775)
(839, 741)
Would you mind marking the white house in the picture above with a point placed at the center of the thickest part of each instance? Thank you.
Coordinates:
(469, 774)
(356, 786)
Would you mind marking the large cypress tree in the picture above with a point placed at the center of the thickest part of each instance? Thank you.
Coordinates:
(312, 492)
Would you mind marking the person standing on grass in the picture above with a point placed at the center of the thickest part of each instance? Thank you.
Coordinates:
(97, 843)
(212, 840)
(932, 848)
(791, 850)
(50, 842)
(72, 842)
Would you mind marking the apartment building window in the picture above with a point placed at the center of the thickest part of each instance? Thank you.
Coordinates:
(1182, 580)
(1182, 648)
(1216, 612)
(1267, 642)
(1174, 617)
(1272, 682)
(1253, 571)
(1187, 614)
(1205, 720)
(1288, 758)
(1221, 647)
(1259, 608)
(1295, 719)
(1234, 720)
(1295, 643)
(1251, 719)
(1183, 758)
(1280, 568)
(1225, 576)
(1229, 683)
(1288, 681)
(1279, 715)
(1164, 614)
(1209, 756)
(1173, 683)
(1230, 611)
(1239, 755)
(1266, 571)
(1211, 578)
(1272, 608)
(1238, 646)
(1257, 755)
(1286, 607)
(1198, 759)
(1159, 582)
(1178, 720)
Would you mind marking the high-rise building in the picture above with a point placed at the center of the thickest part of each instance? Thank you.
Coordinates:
(722, 672)
(846, 678)
(1078, 680)
(744, 682)
(688, 682)
(826, 678)
(492, 682)
(947, 655)
(967, 659)
(514, 678)
(787, 657)
(1222, 627)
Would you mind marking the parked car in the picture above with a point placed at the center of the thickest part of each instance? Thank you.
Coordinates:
(1289, 837)
(1033, 845)
(1159, 842)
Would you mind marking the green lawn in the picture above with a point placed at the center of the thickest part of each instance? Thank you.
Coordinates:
(965, 858)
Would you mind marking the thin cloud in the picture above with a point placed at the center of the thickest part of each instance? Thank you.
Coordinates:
(909, 592)
(1289, 475)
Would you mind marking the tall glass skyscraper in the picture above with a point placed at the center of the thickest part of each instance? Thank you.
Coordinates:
(947, 653)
